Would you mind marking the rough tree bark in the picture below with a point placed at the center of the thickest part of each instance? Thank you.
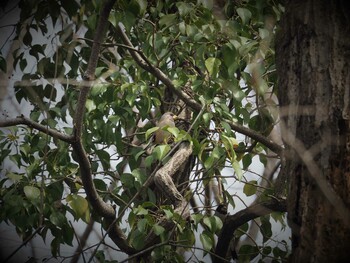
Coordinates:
(313, 56)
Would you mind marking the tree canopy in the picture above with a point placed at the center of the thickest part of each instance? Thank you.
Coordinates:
(95, 76)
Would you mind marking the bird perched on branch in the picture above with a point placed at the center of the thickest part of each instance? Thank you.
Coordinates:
(167, 120)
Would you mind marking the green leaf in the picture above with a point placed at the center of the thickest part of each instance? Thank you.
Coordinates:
(92, 20)
(90, 105)
(250, 188)
(279, 253)
(207, 117)
(168, 20)
(79, 205)
(140, 175)
(247, 253)
(158, 230)
(57, 219)
(137, 239)
(151, 131)
(161, 151)
(142, 225)
(104, 158)
(98, 89)
(216, 154)
(114, 119)
(127, 180)
(140, 211)
(100, 184)
(229, 54)
(214, 223)
(184, 8)
(14, 177)
(169, 214)
(247, 160)
(230, 144)
(266, 228)
(196, 218)
(32, 192)
(174, 131)
(212, 65)
(244, 14)
(143, 6)
(206, 240)
(55, 246)
(238, 170)
(71, 7)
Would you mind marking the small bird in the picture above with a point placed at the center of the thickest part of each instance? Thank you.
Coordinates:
(167, 119)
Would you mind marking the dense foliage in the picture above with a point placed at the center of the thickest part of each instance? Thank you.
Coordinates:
(211, 63)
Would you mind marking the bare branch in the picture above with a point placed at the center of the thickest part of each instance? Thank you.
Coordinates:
(232, 222)
(30, 123)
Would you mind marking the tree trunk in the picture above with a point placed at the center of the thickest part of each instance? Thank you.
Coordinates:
(313, 62)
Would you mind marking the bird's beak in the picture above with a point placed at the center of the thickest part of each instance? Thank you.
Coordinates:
(175, 117)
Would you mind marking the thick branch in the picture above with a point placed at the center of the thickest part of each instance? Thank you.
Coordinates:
(91, 67)
(30, 123)
(232, 222)
(257, 136)
(95, 200)
(164, 182)
(143, 62)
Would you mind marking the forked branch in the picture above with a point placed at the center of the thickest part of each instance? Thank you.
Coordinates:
(232, 222)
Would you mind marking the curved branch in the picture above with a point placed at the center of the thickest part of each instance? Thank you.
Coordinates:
(144, 63)
(102, 208)
(30, 123)
(164, 182)
(232, 222)
(257, 136)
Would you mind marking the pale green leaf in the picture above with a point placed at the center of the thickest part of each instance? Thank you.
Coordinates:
(140, 211)
(32, 192)
(14, 177)
(174, 131)
(244, 14)
(161, 151)
(151, 131)
(168, 213)
(238, 170)
(212, 65)
(79, 205)
(90, 105)
(207, 242)
(158, 230)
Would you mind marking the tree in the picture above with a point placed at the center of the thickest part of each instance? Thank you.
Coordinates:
(313, 68)
(84, 148)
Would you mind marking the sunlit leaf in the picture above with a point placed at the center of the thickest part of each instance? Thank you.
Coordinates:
(150, 131)
(161, 151)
